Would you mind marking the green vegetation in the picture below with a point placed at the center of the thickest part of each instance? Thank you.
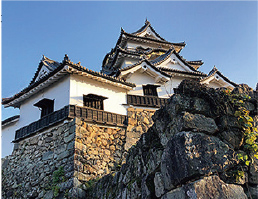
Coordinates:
(58, 177)
(250, 132)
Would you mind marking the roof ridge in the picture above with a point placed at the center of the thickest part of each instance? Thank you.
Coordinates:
(215, 70)
(39, 67)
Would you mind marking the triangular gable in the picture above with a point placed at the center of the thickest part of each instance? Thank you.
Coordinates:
(145, 67)
(216, 77)
(46, 66)
(171, 60)
(148, 31)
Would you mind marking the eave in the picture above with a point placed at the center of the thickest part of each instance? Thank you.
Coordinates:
(212, 74)
(63, 70)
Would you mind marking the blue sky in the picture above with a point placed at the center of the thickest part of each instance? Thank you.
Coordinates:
(220, 33)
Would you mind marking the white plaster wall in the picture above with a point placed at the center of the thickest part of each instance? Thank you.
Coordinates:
(167, 90)
(149, 31)
(7, 136)
(140, 79)
(164, 91)
(82, 86)
(59, 92)
(174, 63)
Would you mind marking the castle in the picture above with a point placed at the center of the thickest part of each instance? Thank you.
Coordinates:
(140, 72)
(76, 124)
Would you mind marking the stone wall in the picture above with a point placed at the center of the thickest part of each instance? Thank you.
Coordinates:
(99, 150)
(189, 152)
(58, 161)
(139, 121)
(28, 172)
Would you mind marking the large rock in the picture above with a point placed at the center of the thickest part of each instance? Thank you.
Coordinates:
(197, 122)
(167, 118)
(189, 155)
(207, 188)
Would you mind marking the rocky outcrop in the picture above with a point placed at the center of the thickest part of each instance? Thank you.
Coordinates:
(188, 149)
(189, 152)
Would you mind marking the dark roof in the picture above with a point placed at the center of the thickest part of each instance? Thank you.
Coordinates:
(98, 74)
(197, 73)
(49, 63)
(161, 59)
(66, 61)
(10, 119)
(145, 60)
(144, 27)
(197, 62)
(152, 39)
(165, 56)
(216, 71)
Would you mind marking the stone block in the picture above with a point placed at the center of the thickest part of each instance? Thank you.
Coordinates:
(47, 155)
(197, 122)
(206, 188)
(63, 155)
(190, 154)
(33, 140)
(69, 138)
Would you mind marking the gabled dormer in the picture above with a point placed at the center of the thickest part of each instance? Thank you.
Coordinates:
(148, 31)
(45, 66)
(216, 79)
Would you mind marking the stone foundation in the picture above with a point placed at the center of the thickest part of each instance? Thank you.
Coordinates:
(56, 162)
(28, 172)
(99, 150)
(139, 121)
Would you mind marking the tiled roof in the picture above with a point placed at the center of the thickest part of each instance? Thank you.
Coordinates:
(216, 71)
(98, 74)
(48, 63)
(162, 58)
(143, 28)
(145, 60)
(197, 73)
(10, 119)
(65, 62)
(165, 56)
(197, 62)
(154, 40)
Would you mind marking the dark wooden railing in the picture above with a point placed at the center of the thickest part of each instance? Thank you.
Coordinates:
(42, 123)
(71, 111)
(146, 101)
(97, 116)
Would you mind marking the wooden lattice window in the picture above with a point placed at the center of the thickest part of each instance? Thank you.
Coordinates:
(94, 101)
(46, 106)
(150, 90)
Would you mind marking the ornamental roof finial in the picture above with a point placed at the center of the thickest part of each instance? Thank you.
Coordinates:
(66, 58)
(146, 21)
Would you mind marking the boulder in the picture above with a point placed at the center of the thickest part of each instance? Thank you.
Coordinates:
(197, 122)
(207, 188)
(189, 155)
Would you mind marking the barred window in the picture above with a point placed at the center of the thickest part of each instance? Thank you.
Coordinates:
(94, 101)
(46, 106)
(150, 90)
